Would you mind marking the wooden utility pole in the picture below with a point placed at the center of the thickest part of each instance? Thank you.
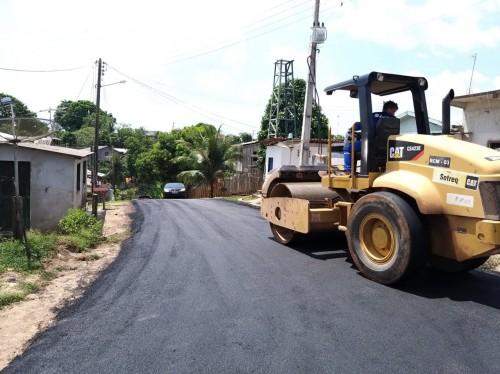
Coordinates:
(95, 167)
(310, 89)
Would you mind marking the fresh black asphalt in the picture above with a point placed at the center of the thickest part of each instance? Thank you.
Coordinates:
(201, 287)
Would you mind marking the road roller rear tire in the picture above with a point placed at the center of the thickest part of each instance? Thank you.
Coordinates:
(282, 234)
(387, 239)
(450, 266)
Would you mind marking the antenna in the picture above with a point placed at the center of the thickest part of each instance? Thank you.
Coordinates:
(474, 56)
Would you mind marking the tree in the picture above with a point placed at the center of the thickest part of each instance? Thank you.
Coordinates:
(214, 155)
(20, 109)
(319, 123)
(71, 114)
(136, 143)
(245, 137)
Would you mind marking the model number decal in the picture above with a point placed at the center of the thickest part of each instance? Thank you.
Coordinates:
(460, 200)
(456, 179)
(443, 162)
(404, 151)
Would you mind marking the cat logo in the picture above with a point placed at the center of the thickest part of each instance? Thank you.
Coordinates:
(396, 152)
(404, 151)
(471, 182)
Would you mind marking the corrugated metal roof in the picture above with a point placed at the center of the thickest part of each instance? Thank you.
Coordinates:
(79, 153)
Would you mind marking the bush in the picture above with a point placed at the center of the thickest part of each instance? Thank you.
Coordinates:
(128, 194)
(76, 220)
(81, 230)
(41, 244)
(152, 191)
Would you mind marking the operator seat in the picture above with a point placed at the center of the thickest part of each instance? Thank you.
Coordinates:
(384, 128)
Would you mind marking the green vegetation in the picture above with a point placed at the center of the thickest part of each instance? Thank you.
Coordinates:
(79, 230)
(319, 125)
(214, 155)
(18, 293)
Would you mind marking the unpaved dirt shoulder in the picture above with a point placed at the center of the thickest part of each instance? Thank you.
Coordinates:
(20, 322)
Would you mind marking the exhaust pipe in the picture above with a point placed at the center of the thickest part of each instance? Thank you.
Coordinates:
(446, 112)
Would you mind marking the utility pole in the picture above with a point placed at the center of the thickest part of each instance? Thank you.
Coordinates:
(95, 167)
(310, 90)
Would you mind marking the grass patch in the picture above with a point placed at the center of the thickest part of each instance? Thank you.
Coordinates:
(234, 197)
(7, 298)
(240, 197)
(29, 287)
(22, 290)
(13, 256)
(117, 237)
(13, 252)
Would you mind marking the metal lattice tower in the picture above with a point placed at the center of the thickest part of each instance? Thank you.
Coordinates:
(283, 111)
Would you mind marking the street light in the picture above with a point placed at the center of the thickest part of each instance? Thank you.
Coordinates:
(110, 84)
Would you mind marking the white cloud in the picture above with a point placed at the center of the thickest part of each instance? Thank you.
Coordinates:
(440, 25)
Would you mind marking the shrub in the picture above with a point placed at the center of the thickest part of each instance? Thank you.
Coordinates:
(128, 194)
(41, 244)
(81, 230)
(77, 220)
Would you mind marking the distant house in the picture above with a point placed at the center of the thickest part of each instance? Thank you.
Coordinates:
(248, 161)
(286, 152)
(408, 125)
(481, 117)
(106, 152)
(52, 180)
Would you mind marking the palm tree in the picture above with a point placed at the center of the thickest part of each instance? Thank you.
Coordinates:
(213, 154)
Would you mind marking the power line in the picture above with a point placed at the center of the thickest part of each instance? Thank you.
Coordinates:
(178, 101)
(42, 71)
(84, 83)
(248, 38)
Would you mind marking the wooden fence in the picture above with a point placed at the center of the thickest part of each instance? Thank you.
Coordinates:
(238, 184)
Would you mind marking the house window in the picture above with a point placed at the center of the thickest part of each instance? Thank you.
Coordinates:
(270, 161)
(78, 176)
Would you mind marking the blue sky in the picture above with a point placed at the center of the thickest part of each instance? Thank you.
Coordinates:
(164, 45)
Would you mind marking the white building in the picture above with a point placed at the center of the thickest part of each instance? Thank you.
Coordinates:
(286, 152)
(408, 124)
(52, 180)
(481, 117)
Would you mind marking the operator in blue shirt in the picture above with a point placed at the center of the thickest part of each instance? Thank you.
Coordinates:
(388, 110)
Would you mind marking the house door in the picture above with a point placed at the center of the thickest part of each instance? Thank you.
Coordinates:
(7, 191)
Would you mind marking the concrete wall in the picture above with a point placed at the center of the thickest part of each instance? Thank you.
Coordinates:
(482, 120)
(53, 184)
(289, 155)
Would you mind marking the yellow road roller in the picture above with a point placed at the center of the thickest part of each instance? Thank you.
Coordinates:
(409, 201)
